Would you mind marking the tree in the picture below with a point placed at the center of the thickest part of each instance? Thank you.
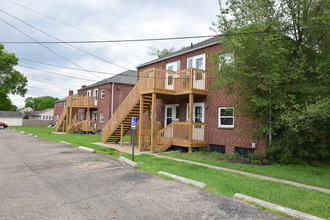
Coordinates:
(160, 53)
(6, 105)
(11, 81)
(40, 103)
(281, 71)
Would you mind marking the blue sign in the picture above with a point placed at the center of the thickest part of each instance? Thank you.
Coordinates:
(133, 123)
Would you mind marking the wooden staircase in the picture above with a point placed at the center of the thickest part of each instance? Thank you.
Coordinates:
(120, 122)
(61, 124)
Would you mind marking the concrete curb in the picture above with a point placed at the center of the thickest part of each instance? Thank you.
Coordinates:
(288, 211)
(87, 149)
(64, 142)
(128, 162)
(22, 132)
(185, 180)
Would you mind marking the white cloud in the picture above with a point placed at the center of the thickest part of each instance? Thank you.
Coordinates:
(110, 19)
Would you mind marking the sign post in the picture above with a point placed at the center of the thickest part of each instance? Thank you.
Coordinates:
(133, 127)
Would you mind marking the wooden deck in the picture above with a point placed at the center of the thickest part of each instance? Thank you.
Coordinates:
(156, 84)
(81, 102)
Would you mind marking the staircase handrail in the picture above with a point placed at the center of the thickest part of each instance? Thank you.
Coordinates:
(129, 102)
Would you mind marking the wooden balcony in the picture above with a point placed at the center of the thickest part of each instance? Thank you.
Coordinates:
(184, 134)
(81, 102)
(174, 82)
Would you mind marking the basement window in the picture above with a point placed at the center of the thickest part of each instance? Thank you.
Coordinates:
(243, 152)
(218, 148)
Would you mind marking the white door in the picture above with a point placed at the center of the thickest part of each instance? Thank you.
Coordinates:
(169, 78)
(197, 62)
(171, 114)
(198, 116)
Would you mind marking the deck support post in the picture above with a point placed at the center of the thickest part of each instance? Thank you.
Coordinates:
(70, 118)
(141, 122)
(153, 111)
(121, 134)
(191, 110)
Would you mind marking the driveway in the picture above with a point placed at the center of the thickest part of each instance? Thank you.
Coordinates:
(40, 179)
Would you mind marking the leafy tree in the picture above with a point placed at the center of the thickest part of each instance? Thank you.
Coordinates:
(160, 53)
(6, 105)
(11, 81)
(282, 76)
(40, 103)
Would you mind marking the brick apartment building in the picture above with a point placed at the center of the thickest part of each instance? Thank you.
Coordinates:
(94, 104)
(167, 87)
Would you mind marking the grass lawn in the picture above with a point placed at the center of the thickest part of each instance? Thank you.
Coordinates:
(74, 139)
(227, 184)
(222, 182)
(316, 176)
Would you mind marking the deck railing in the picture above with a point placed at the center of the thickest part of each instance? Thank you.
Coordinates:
(81, 101)
(123, 110)
(88, 125)
(174, 80)
(185, 132)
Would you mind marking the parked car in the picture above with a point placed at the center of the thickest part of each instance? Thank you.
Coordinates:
(3, 125)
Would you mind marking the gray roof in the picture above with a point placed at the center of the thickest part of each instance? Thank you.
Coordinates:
(128, 77)
(64, 99)
(11, 114)
(46, 110)
(206, 43)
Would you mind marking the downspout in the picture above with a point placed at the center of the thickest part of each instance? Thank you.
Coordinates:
(112, 95)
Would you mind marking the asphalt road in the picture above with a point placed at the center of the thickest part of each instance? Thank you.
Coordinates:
(40, 179)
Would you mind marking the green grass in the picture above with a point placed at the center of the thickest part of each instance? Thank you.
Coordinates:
(316, 176)
(222, 182)
(227, 184)
(74, 139)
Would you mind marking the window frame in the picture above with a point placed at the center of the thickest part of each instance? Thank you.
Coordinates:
(191, 61)
(220, 117)
(101, 118)
(102, 93)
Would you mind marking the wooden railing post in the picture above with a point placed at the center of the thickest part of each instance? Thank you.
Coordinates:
(141, 121)
(153, 111)
(191, 102)
(121, 134)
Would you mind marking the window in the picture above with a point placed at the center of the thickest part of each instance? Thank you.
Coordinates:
(218, 148)
(94, 115)
(243, 152)
(89, 92)
(197, 62)
(95, 92)
(198, 112)
(170, 80)
(226, 59)
(102, 93)
(174, 66)
(226, 117)
(43, 117)
(101, 117)
(81, 117)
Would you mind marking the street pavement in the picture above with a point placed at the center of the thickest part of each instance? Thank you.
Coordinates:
(40, 179)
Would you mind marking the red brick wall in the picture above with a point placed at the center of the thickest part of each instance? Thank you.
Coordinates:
(58, 109)
(242, 133)
(104, 105)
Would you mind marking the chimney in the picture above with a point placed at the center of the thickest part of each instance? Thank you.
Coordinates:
(83, 86)
(70, 92)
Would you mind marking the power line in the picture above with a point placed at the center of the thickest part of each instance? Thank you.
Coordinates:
(43, 45)
(162, 39)
(79, 29)
(100, 58)
(65, 67)
(48, 82)
(73, 77)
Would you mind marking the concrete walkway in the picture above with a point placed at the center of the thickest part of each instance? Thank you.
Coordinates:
(127, 148)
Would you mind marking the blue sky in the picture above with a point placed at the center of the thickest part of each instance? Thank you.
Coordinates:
(99, 20)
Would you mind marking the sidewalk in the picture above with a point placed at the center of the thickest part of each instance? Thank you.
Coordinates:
(127, 148)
